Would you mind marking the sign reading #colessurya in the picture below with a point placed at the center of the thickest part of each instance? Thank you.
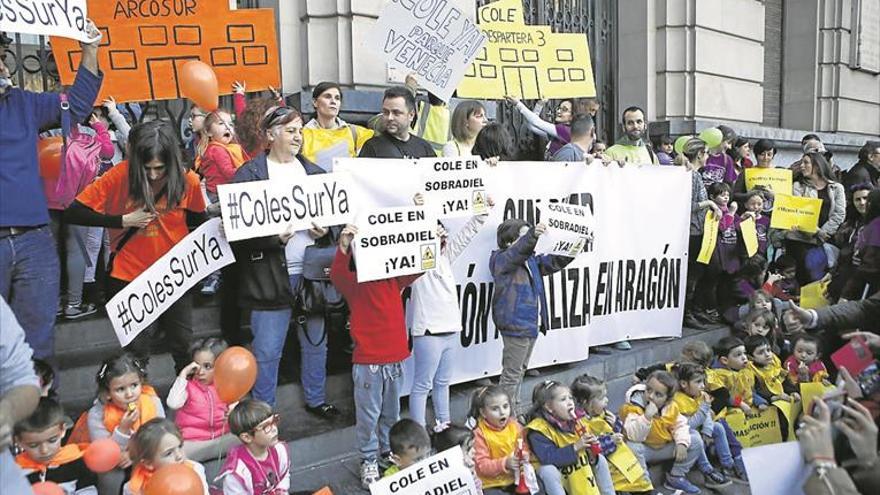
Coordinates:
(395, 241)
(66, 18)
(456, 186)
(435, 39)
(141, 302)
(570, 230)
(262, 208)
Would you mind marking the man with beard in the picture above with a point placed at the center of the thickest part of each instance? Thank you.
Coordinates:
(398, 111)
(632, 147)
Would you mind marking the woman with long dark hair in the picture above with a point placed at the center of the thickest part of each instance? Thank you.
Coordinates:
(865, 277)
(846, 237)
(147, 203)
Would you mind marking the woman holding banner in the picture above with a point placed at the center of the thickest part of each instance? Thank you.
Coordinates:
(813, 253)
(147, 203)
(271, 270)
(327, 136)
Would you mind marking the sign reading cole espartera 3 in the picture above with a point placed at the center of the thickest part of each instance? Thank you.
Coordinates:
(395, 241)
(456, 186)
(267, 207)
(570, 230)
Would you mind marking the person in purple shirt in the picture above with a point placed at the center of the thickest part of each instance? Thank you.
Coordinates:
(754, 206)
(29, 267)
(558, 132)
(720, 167)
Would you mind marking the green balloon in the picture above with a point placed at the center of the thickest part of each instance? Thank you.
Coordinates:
(680, 142)
(712, 137)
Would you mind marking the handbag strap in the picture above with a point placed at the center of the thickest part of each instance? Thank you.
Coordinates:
(133, 230)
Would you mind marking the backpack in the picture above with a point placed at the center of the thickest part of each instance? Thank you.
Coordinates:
(78, 168)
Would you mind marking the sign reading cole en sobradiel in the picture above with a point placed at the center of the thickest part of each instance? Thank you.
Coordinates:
(456, 186)
(267, 207)
(45, 17)
(395, 241)
(141, 302)
(444, 473)
(570, 230)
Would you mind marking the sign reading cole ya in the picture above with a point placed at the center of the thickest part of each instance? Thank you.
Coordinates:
(396, 241)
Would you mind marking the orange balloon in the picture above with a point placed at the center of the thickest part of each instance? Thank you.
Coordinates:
(49, 156)
(102, 455)
(235, 373)
(47, 488)
(199, 83)
(174, 479)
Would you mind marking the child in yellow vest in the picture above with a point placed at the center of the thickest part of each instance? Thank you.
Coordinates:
(158, 443)
(591, 396)
(656, 431)
(497, 437)
(562, 442)
(694, 404)
(409, 444)
(736, 379)
(771, 379)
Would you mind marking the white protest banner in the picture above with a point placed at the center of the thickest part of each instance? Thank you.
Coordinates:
(630, 287)
(569, 230)
(435, 40)
(395, 241)
(45, 17)
(267, 207)
(443, 473)
(141, 302)
(456, 186)
(776, 469)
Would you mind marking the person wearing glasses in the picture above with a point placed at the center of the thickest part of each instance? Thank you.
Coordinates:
(147, 203)
(260, 464)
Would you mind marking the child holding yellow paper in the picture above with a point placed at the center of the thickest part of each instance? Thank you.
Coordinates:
(753, 203)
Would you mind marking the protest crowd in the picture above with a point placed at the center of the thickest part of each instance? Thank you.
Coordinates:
(127, 192)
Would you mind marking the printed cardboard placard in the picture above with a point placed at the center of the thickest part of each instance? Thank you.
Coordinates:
(146, 42)
(395, 241)
(752, 431)
(267, 207)
(777, 180)
(456, 186)
(813, 295)
(141, 302)
(435, 40)
(749, 235)
(710, 238)
(45, 17)
(795, 211)
(789, 412)
(627, 463)
(570, 230)
(443, 473)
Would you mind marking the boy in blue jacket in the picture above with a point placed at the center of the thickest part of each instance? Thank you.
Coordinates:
(519, 306)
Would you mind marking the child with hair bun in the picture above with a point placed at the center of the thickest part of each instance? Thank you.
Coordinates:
(500, 449)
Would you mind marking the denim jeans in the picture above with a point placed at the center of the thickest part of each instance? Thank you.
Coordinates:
(270, 332)
(29, 281)
(377, 405)
(96, 238)
(432, 357)
(646, 454)
(551, 477)
(313, 358)
(727, 447)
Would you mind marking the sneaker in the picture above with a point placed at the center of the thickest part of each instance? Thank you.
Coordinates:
(601, 350)
(736, 474)
(623, 345)
(680, 483)
(715, 479)
(692, 321)
(369, 474)
(385, 461)
(325, 411)
(712, 316)
(79, 311)
(533, 372)
(210, 286)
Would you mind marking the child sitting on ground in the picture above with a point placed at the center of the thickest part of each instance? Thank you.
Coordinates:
(804, 364)
(656, 430)
(44, 459)
(463, 437)
(591, 396)
(260, 464)
(156, 444)
(694, 351)
(731, 366)
(497, 439)
(409, 445)
(770, 377)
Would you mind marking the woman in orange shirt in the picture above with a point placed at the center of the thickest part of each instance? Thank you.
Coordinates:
(147, 203)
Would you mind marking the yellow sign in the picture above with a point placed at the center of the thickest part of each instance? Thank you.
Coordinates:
(428, 258)
(752, 431)
(529, 62)
(812, 390)
(813, 295)
(795, 211)
(777, 180)
(789, 411)
(479, 203)
(626, 463)
(710, 238)
(749, 236)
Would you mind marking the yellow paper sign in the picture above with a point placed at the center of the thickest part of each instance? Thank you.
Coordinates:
(788, 411)
(813, 295)
(795, 211)
(810, 391)
(626, 463)
(777, 180)
(752, 431)
(710, 238)
(749, 236)
(528, 62)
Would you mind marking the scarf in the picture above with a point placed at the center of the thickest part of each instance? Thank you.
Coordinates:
(66, 454)
(140, 476)
(145, 405)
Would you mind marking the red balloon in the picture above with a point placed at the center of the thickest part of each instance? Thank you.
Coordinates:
(49, 156)
(102, 455)
(47, 488)
(199, 83)
(175, 479)
(235, 373)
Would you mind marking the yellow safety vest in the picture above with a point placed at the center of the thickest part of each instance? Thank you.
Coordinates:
(771, 376)
(433, 125)
(316, 140)
(599, 426)
(577, 479)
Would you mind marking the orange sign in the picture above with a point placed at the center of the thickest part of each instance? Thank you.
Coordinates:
(146, 42)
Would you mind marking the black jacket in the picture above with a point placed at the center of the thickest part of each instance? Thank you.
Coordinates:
(264, 282)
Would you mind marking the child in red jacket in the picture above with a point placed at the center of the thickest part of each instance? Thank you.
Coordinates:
(378, 330)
